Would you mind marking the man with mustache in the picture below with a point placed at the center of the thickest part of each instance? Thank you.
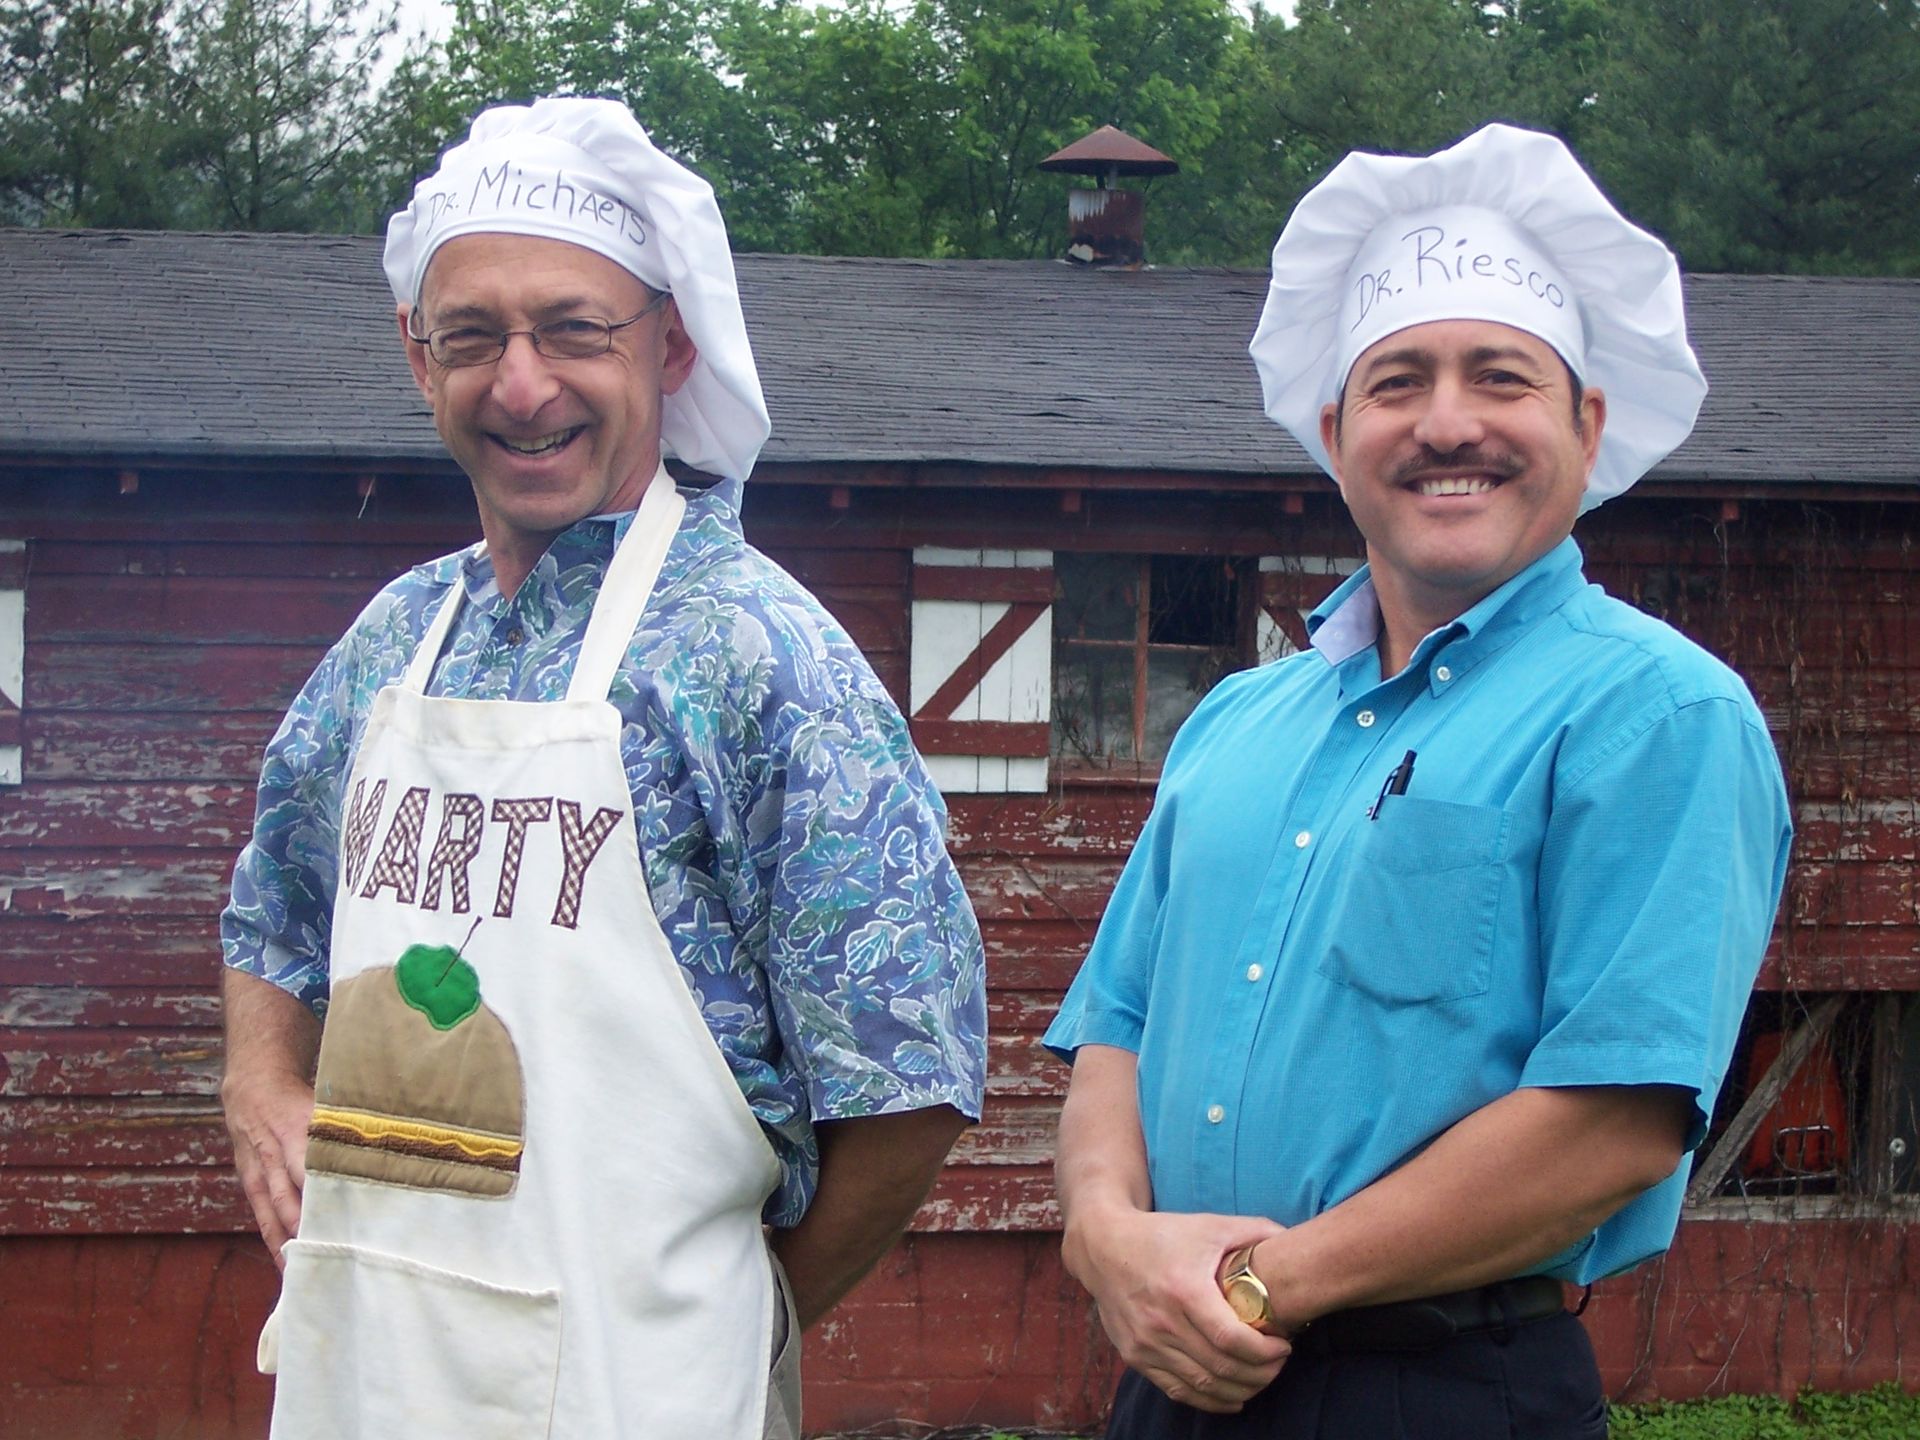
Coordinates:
(1424, 974)
(652, 999)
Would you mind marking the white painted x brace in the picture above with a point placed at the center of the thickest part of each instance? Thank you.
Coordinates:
(981, 682)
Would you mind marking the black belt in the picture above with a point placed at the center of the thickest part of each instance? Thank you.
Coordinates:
(1425, 1324)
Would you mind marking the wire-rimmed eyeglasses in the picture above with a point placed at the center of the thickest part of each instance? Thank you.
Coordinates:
(573, 337)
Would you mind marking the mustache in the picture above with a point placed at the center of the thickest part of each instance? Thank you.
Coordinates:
(1430, 462)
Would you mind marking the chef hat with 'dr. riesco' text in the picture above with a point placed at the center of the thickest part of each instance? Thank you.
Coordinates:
(1504, 226)
(585, 171)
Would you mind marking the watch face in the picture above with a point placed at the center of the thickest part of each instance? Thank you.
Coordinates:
(1244, 1295)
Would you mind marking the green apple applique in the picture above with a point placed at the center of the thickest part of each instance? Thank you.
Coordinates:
(434, 980)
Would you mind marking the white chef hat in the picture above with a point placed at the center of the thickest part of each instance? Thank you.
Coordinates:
(1504, 226)
(585, 171)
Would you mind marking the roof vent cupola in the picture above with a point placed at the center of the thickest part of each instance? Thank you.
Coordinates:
(1106, 224)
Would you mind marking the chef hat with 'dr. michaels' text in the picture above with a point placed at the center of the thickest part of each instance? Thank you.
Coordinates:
(1504, 226)
(585, 171)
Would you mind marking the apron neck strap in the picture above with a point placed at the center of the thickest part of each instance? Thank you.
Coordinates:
(616, 613)
(628, 586)
(420, 668)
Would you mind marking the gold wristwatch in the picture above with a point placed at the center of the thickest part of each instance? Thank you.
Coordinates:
(1246, 1292)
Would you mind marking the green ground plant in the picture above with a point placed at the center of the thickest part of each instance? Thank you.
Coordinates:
(1883, 1413)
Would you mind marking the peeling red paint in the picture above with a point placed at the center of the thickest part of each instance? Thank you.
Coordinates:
(142, 741)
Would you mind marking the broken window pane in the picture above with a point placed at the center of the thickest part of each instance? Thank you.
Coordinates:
(1092, 702)
(1169, 623)
(1096, 597)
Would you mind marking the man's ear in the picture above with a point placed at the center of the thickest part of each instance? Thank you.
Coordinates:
(416, 352)
(681, 353)
(1330, 442)
(1593, 423)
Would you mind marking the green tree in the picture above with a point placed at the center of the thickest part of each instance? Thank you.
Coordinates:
(405, 127)
(1033, 75)
(271, 98)
(86, 108)
(1550, 56)
(867, 127)
(663, 58)
(1774, 135)
(1402, 76)
(857, 108)
(229, 114)
(1397, 75)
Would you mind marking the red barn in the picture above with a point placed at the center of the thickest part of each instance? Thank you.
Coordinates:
(1045, 501)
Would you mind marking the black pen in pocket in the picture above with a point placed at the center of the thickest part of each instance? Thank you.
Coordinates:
(1396, 784)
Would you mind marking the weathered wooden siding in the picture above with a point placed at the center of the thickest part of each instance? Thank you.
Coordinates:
(1816, 606)
(164, 642)
(152, 1337)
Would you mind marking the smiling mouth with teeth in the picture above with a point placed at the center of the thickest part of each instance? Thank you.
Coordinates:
(539, 445)
(1456, 485)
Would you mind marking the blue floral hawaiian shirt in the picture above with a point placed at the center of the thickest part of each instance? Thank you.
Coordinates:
(791, 838)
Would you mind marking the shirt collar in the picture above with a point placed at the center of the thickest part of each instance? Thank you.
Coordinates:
(585, 541)
(1348, 621)
(593, 540)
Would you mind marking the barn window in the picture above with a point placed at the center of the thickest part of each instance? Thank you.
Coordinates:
(1821, 1099)
(1138, 640)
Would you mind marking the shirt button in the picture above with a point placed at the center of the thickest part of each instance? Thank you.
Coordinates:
(516, 635)
(1254, 972)
(1365, 717)
(1303, 839)
(1215, 1114)
(1442, 674)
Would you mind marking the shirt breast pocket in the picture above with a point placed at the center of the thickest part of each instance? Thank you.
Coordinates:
(1417, 901)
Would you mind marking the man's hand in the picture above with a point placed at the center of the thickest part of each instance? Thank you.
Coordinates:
(1155, 1279)
(1154, 1276)
(267, 1119)
(272, 1042)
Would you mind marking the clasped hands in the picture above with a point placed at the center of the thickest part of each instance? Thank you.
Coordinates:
(1155, 1279)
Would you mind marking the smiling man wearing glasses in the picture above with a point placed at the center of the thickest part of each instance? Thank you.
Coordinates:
(565, 424)
(606, 861)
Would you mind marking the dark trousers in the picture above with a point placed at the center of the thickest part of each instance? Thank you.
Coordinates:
(1534, 1382)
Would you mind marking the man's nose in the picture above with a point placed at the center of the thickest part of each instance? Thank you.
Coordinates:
(523, 378)
(1451, 418)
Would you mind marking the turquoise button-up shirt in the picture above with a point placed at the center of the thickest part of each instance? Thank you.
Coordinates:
(1576, 888)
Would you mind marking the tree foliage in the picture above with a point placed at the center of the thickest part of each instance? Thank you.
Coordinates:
(266, 111)
(229, 114)
(85, 89)
(865, 127)
(1771, 135)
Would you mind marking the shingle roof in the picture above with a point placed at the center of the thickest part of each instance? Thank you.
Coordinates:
(179, 346)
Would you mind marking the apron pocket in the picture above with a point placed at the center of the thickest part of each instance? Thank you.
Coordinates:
(374, 1345)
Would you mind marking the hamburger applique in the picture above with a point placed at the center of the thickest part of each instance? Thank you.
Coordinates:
(419, 1083)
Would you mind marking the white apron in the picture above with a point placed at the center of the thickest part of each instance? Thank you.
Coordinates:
(533, 1186)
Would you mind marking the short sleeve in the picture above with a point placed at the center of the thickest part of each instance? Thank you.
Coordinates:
(875, 962)
(1107, 1002)
(279, 918)
(1659, 878)
(278, 923)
